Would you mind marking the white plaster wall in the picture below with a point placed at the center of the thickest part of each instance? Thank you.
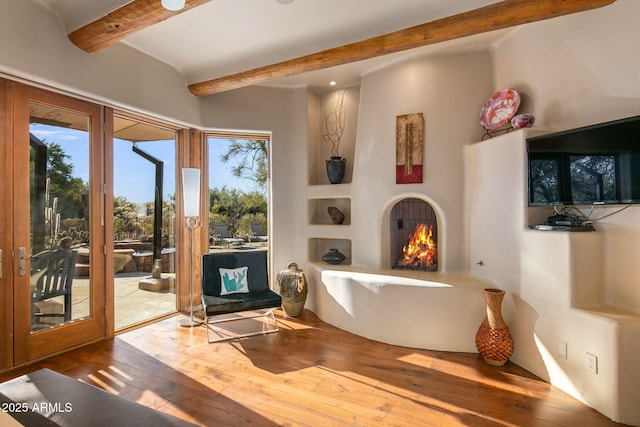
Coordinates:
(577, 69)
(449, 91)
(35, 47)
(315, 157)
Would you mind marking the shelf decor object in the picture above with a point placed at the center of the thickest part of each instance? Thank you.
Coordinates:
(191, 195)
(497, 112)
(337, 217)
(334, 257)
(409, 148)
(332, 129)
(522, 121)
(335, 169)
(293, 289)
(493, 339)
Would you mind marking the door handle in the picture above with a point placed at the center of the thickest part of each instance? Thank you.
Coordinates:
(0, 263)
(22, 261)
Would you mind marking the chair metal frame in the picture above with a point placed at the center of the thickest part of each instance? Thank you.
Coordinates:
(259, 302)
(268, 315)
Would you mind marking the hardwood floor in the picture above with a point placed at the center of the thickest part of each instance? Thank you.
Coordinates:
(312, 374)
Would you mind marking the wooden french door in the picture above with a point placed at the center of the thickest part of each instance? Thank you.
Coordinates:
(54, 189)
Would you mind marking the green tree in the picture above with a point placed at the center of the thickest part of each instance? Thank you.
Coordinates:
(69, 190)
(237, 209)
(228, 205)
(254, 203)
(124, 215)
(251, 160)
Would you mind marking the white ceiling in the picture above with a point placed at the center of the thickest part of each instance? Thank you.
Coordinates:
(224, 37)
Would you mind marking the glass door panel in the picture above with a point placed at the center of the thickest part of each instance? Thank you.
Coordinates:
(59, 214)
(144, 221)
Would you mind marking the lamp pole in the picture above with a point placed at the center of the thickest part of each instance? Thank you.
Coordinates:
(191, 194)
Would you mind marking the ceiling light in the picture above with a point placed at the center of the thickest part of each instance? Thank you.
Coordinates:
(173, 4)
(333, 83)
(285, 1)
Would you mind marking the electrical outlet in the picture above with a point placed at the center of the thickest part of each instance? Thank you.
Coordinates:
(562, 349)
(592, 363)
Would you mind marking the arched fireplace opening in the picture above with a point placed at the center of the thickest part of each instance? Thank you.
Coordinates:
(413, 236)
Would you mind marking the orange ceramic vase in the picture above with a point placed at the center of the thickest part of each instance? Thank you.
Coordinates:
(493, 339)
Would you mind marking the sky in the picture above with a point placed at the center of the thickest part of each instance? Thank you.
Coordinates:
(134, 175)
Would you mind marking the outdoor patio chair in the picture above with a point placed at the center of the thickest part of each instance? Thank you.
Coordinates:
(222, 233)
(257, 233)
(52, 274)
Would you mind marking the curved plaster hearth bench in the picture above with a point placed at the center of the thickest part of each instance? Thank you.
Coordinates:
(424, 310)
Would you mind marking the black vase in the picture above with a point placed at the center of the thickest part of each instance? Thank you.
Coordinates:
(335, 169)
(334, 256)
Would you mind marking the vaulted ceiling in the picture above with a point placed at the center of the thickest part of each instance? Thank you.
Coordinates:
(219, 45)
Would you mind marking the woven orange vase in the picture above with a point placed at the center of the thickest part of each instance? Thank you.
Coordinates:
(493, 339)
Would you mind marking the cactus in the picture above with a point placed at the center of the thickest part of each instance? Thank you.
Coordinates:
(51, 219)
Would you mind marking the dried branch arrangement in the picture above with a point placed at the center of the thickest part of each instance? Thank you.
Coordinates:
(333, 124)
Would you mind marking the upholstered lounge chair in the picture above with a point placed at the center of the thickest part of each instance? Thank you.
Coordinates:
(252, 295)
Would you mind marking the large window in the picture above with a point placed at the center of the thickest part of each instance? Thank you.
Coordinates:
(238, 190)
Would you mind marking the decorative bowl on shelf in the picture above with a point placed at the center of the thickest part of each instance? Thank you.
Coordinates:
(522, 121)
(499, 109)
(334, 256)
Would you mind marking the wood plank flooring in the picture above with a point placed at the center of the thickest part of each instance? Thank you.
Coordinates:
(312, 374)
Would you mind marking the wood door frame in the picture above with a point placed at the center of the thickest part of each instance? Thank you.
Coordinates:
(182, 140)
(191, 144)
(107, 200)
(6, 225)
(29, 346)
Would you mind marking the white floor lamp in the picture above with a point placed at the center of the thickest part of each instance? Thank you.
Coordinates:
(191, 194)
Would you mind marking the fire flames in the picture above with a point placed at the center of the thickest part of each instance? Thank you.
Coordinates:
(420, 252)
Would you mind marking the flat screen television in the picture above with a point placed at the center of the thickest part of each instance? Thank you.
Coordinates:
(598, 164)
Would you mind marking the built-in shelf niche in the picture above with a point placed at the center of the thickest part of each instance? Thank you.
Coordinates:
(319, 214)
(319, 247)
(319, 149)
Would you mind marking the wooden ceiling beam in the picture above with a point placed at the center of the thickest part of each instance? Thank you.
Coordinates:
(496, 16)
(132, 17)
